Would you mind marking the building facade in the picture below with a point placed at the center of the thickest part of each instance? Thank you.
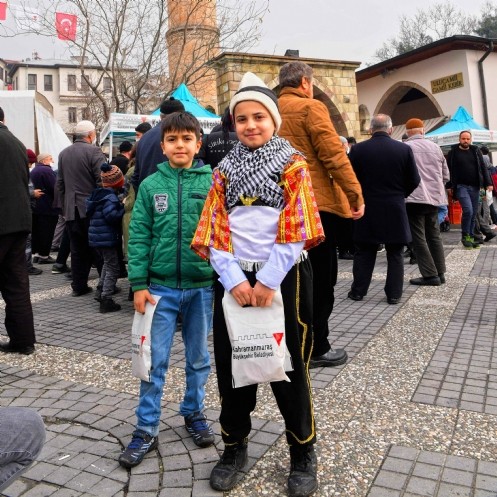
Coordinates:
(431, 82)
(63, 85)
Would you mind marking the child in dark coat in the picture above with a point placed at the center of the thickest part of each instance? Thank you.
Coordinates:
(105, 211)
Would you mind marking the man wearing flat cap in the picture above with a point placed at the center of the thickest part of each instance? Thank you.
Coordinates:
(78, 176)
(422, 205)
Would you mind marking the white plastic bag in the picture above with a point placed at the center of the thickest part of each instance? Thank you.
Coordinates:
(258, 343)
(141, 343)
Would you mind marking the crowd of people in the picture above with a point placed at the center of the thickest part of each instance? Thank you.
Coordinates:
(253, 216)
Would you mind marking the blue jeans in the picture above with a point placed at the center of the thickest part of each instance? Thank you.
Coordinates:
(22, 435)
(469, 197)
(195, 306)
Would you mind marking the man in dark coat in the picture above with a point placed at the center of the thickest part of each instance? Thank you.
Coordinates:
(78, 176)
(121, 160)
(15, 224)
(468, 176)
(148, 150)
(387, 172)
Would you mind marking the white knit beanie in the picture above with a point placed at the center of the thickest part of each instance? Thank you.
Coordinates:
(253, 88)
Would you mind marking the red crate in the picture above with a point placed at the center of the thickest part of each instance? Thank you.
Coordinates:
(455, 211)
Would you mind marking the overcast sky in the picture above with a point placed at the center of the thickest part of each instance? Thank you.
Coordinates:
(349, 30)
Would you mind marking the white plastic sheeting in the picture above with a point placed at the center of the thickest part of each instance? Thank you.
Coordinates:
(33, 123)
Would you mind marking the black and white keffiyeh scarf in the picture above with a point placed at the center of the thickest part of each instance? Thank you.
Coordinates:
(256, 173)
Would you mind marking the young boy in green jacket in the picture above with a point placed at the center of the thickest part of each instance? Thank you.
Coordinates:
(161, 264)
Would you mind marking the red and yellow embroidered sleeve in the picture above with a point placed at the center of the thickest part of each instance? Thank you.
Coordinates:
(299, 220)
(213, 228)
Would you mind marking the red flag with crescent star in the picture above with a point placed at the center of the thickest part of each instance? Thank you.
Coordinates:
(66, 25)
(3, 11)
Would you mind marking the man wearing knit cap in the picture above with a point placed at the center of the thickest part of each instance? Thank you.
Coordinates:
(148, 151)
(422, 205)
(78, 176)
(14, 228)
(307, 126)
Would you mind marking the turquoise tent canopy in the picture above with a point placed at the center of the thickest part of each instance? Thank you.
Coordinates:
(122, 126)
(448, 134)
(460, 121)
(191, 104)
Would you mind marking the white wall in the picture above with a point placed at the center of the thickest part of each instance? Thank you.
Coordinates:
(371, 91)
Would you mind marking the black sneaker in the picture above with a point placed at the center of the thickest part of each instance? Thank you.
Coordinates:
(59, 268)
(141, 444)
(34, 270)
(302, 480)
(228, 471)
(197, 427)
(46, 260)
(9, 348)
(107, 304)
(98, 293)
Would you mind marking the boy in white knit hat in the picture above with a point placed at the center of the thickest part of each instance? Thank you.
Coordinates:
(258, 219)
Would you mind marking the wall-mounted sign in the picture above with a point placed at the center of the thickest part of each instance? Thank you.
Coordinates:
(447, 83)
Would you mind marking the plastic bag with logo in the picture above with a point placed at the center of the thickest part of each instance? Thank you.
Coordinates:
(257, 336)
(141, 344)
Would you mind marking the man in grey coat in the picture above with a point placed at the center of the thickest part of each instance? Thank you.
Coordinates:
(422, 205)
(15, 224)
(78, 176)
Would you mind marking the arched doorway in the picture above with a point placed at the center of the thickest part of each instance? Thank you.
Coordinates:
(406, 99)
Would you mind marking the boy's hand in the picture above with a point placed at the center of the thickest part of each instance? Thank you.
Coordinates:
(242, 293)
(141, 297)
(262, 296)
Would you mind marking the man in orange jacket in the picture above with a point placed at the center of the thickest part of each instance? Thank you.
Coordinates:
(307, 126)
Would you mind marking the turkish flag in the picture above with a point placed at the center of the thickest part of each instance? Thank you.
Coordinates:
(66, 25)
(3, 11)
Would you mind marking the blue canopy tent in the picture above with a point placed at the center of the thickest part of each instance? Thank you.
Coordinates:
(191, 104)
(122, 126)
(448, 134)
(207, 119)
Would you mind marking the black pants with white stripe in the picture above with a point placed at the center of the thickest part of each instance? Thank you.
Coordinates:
(294, 398)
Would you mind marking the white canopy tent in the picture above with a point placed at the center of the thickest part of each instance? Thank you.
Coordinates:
(29, 116)
(121, 127)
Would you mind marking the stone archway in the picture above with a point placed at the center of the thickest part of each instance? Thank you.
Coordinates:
(406, 99)
(334, 83)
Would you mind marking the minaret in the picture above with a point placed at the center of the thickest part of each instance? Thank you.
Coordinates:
(193, 39)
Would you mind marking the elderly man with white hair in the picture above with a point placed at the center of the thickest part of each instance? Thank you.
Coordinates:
(78, 176)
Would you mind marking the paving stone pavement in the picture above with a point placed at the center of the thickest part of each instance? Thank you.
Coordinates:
(413, 413)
